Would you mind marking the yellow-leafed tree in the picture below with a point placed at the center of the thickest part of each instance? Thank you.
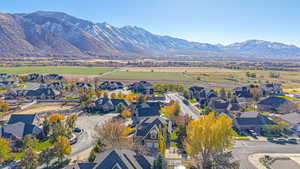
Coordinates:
(207, 135)
(55, 117)
(171, 110)
(5, 149)
(62, 147)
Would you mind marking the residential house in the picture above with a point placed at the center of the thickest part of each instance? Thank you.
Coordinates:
(142, 87)
(244, 91)
(106, 105)
(111, 85)
(5, 76)
(145, 110)
(219, 105)
(275, 104)
(56, 85)
(272, 89)
(54, 77)
(234, 108)
(202, 95)
(147, 131)
(8, 83)
(117, 159)
(20, 125)
(83, 86)
(36, 77)
(44, 92)
(251, 120)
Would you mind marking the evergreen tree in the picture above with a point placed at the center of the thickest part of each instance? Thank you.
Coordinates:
(159, 162)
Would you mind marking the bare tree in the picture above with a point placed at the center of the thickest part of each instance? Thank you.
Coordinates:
(114, 133)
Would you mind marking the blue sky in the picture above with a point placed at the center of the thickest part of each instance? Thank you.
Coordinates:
(212, 21)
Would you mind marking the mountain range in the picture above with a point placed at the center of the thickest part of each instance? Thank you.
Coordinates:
(56, 34)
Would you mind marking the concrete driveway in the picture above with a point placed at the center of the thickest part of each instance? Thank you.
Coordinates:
(89, 136)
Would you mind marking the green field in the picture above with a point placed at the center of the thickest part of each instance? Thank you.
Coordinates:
(75, 70)
(163, 76)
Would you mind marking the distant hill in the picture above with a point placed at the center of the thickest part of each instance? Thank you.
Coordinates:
(56, 34)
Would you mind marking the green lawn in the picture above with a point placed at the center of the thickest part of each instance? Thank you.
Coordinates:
(193, 100)
(168, 76)
(42, 145)
(77, 70)
(290, 98)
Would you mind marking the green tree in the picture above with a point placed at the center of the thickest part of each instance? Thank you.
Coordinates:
(30, 160)
(159, 162)
(70, 121)
(59, 129)
(46, 156)
(162, 139)
(29, 142)
(46, 127)
(186, 94)
(120, 108)
(223, 93)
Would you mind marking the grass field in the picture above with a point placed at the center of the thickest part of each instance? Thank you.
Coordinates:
(218, 76)
(164, 76)
(76, 70)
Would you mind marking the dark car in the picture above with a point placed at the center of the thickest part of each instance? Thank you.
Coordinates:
(74, 141)
(186, 102)
(281, 141)
(270, 139)
(77, 130)
(292, 141)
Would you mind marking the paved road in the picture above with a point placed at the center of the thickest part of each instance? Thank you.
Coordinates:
(87, 139)
(185, 109)
(243, 149)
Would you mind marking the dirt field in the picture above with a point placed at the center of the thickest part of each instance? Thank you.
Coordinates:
(177, 69)
(44, 108)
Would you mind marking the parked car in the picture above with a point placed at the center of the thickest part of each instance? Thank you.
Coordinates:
(270, 139)
(77, 130)
(252, 133)
(186, 102)
(74, 141)
(292, 141)
(280, 141)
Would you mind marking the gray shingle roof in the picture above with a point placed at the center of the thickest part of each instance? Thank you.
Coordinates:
(273, 101)
(25, 118)
(123, 159)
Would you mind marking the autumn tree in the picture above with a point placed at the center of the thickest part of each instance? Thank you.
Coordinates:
(5, 149)
(113, 133)
(3, 106)
(208, 135)
(30, 160)
(62, 147)
(171, 110)
(113, 96)
(56, 117)
(126, 113)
